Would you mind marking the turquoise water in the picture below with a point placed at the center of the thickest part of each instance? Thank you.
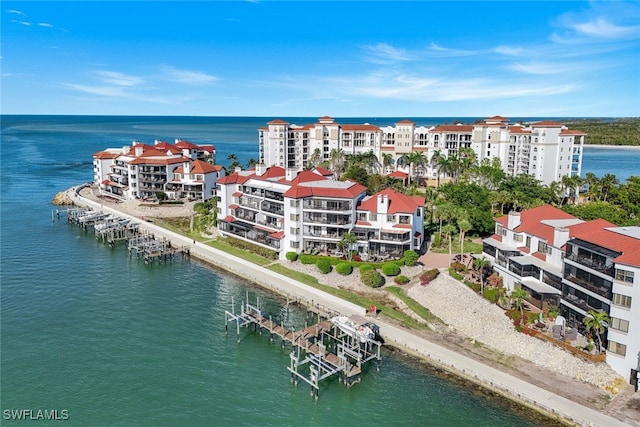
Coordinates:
(87, 329)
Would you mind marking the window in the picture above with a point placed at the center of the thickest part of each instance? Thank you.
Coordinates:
(622, 300)
(528, 242)
(295, 231)
(617, 348)
(518, 237)
(294, 203)
(619, 324)
(294, 244)
(294, 217)
(624, 275)
(544, 248)
(373, 217)
(362, 216)
(391, 218)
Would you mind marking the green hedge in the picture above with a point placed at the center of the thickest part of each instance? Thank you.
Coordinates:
(372, 278)
(292, 256)
(237, 243)
(366, 267)
(401, 280)
(344, 268)
(323, 265)
(410, 258)
(390, 268)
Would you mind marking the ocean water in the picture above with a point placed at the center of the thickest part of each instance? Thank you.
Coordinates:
(88, 330)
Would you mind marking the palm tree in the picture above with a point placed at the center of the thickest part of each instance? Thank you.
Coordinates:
(519, 295)
(467, 159)
(480, 264)
(251, 163)
(463, 225)
(314, 159)
(346, 242)
(415, 160)
(436, 161)
(448, 231)
(387, 160)
(608, 182)
(596, 321)
(234, 163)
(337, 162)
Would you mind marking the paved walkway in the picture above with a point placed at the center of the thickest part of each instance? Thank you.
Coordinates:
(499, 381)
(434, 260)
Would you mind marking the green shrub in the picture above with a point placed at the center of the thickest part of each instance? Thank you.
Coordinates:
(307, 259)
(323, 265)
(366, 267)
(410, 258)
(390, 269)
(344, 268)
(453, 273)
(491, 294)
(267, 253)
(372, 278)
(401, 280)
(292, 256)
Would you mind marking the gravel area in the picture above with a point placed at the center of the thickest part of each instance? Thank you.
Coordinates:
(478, 319)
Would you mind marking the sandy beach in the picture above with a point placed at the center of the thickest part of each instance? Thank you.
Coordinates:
(527, 370)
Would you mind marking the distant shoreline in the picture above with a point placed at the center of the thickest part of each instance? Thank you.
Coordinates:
(625, 147)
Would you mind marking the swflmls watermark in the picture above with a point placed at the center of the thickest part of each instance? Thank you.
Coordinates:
(35, 414)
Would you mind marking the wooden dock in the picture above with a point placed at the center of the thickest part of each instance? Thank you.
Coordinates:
(318, 352)
(113, 229)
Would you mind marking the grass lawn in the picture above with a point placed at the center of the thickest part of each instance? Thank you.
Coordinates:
(414, 305)
(469, 247)
(348, 296)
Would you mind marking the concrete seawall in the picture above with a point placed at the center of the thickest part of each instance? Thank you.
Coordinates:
(513, 388)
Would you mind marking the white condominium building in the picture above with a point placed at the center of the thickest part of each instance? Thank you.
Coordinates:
(287, 210)
(545, 150)
(577, 266)
(180, 171)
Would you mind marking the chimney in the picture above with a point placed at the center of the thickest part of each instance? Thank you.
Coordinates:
(261, 168)
(291, 174)
(513, 220)
(138, 150)
(383, 204)
(560, 236)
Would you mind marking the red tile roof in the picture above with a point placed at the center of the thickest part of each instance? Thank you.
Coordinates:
(405, 122)
(304, 176)
(322, 171)
(363, 223)
(199, 166)
(398, 202)
(571, 132)
(531, 221)
(277, 235)
(106, 155)
(546, 124)
(453, 128)
(496, 237)
(599, 232)
(398, 174)
(277, 122)
(300, 191)
(370, 128)
(497, 118)
(540, 255)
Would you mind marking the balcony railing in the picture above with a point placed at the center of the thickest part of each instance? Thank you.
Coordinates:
(600, 290)
(592, 264)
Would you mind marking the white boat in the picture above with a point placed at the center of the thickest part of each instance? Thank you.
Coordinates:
(360, 331)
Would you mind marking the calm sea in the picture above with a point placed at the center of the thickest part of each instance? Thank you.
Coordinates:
(112, 341)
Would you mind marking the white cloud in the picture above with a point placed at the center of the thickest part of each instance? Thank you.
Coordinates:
(383, 53)
(45, 24)
(119, 79)
(190, 77)
(508, 50)
(16, 12)
(602, 28)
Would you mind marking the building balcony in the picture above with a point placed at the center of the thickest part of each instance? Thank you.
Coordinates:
(592, 264)
(603, 291)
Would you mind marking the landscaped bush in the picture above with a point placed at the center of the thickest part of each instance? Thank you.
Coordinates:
(344, 268)
(453, 273)
(252, 248)
(410, 258)
(323, 265)
(307, 259)
(401, 280)
(427, 276)
(372, 278)
(492, 294)
(459, 267)
(366, 267)
(390, 269)
(292, 256)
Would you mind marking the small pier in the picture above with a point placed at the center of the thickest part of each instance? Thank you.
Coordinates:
(113, 229)
(318, 352)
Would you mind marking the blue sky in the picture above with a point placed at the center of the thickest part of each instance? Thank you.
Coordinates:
(344, 59)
